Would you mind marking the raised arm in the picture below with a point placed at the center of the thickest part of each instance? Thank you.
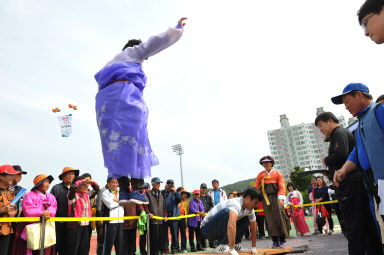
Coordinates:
(156, 43)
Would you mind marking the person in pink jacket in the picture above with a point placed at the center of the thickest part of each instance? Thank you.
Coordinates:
(36, 203)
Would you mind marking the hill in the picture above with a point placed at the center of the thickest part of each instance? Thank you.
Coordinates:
(239, 186)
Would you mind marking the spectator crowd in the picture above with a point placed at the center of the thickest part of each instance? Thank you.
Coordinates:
(356, 187)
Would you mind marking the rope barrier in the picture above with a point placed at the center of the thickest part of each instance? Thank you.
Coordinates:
(69, 219)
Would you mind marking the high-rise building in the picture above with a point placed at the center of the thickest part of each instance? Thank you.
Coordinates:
(300, 145)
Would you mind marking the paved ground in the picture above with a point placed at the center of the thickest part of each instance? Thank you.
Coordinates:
(319, 244)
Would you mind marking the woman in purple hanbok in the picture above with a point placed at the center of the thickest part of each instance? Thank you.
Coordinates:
(122, 114)
(36, 203)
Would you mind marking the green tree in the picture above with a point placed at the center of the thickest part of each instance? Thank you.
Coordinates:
(301, 182)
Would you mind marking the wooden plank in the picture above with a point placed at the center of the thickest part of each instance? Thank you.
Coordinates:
(260, 251)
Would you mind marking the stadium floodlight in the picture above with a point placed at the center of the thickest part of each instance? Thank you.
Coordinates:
(178, 149)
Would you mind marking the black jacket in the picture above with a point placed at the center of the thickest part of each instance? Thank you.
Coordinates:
(60, 191)
(341, 145)
(207, 202)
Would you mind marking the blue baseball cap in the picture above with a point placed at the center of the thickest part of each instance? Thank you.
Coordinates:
(349, 88)
(156, 179)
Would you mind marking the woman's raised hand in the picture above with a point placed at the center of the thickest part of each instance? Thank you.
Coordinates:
(181, 23)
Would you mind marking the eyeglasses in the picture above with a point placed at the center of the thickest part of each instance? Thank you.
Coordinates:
(364, 23)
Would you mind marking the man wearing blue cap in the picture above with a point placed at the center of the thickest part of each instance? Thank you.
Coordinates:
(367, 155)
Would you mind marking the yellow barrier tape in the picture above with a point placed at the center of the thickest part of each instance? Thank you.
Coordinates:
(177, 217)
(68, 219)
(305, 205)
(319, 203)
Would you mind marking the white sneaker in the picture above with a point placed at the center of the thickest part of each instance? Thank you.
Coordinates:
(240, 249)
(233, 252)
(222, 248)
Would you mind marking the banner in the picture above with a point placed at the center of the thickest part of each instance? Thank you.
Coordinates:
(65, 123)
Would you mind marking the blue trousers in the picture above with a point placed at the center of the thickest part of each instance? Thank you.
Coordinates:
(216, 227)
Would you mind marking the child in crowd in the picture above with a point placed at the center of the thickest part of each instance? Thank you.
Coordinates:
(79, 205)
(184, 209)
(295, 198)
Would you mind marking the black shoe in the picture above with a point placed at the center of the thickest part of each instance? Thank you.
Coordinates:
(193, 249)
(174, 251)
(199, 248)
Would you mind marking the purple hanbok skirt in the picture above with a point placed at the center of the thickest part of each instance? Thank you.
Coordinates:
(122, 117)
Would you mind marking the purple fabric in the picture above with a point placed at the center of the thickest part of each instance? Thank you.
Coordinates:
(122, 117)
(194, 207)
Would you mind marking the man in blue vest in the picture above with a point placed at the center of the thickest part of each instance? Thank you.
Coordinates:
(368, 152)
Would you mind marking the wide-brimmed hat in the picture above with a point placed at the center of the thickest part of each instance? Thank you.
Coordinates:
(40, 179)
(68, 169)
(184, 191)
(8, 169)
(18, 168)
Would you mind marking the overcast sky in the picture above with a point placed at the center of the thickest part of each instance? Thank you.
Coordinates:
(238, 66)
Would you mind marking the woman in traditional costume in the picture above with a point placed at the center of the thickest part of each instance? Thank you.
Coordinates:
(271, 183)
(295, 198)
(122, 114)
(36, 203)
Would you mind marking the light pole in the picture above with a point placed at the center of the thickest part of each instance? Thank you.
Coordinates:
(178, 149)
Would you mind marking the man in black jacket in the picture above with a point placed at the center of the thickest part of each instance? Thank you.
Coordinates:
(60, 191)
(351, 194)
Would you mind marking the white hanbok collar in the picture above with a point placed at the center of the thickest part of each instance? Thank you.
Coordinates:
(270, 171)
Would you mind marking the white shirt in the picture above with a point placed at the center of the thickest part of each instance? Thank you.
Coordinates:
(235, 205)
(115, 210)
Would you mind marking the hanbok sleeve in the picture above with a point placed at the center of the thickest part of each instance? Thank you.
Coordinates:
(53, 207)
(281, 184)
(258, 182)
(30, 207)
(301, 197)
(155, 44)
